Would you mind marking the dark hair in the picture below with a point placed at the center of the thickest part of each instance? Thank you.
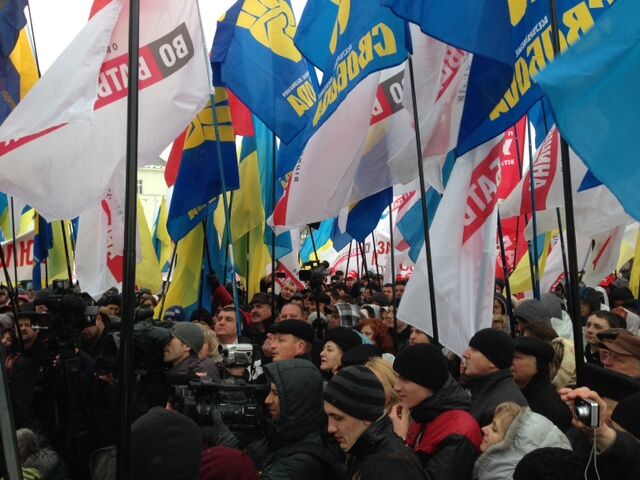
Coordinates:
(541, 330)
(390, 465)
(228, 308)
(401, 282)
(388, 285)
(613, 319)
(346, 298)
(631, 304)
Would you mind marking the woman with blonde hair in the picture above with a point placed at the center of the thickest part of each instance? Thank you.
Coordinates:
(210, 348)
(382, 369)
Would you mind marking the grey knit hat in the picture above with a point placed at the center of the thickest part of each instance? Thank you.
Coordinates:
(357, 392)
(530, 310)
(190, 334)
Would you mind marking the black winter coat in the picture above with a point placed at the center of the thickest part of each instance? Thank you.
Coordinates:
(490, 391)
(545, 400)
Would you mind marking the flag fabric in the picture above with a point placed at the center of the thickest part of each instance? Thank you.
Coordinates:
(440, 76)
(258, 61)
(199, 181)
(511, 44)
(580, 88)
(322, 239)
(57, 261)
(18, 74)
(148, 272)
(596, 208)
(42, 242)
(79, 138)
(520, 280)
(463, 242)
(162, 242)
(12, 21)
(603, 257)
(634, 277)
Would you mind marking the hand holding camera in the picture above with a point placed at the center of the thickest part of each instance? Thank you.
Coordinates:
(590, 413)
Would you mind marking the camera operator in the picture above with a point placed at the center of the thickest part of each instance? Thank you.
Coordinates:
(293, 447)
(182, 354)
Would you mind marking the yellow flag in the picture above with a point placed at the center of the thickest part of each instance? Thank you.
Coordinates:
(148, 274)
(634, 278)
(520, 279)
(57, 261)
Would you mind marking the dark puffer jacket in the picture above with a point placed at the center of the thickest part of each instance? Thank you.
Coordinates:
(378, 439)
(444, 435)
(490, 391)
(545, 400)
(293, 448)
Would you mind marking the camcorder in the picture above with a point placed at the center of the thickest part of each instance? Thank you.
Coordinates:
(314, 273)
(240, 405)
(239, 355)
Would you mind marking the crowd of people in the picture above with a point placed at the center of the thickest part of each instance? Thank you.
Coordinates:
(325, 383)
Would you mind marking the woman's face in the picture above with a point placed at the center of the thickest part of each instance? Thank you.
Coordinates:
(330, 357)
(492, 434)
(367, 331)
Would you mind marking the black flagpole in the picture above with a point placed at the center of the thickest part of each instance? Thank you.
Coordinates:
(128, 284)
(423, 203)
(535, 280)
(393, 278)
(505, 269)
(572, 251)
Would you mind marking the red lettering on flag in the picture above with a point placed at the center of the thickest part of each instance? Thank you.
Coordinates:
(544, 171)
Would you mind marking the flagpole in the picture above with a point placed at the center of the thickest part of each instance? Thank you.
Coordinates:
(167, 283)
(66, 253)
(535, 281)
(346, 274)
(207, 253)
(505, 269)
(374, 257)
(565, 268)
(13, 241)
(393, 277)
(202, 265)
(7, 426)
(423, 204)
(273, 233)
(572, 250)
(364, 263)
(130, 223)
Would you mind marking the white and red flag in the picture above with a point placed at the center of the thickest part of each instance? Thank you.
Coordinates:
(65, 140)
(463, 242)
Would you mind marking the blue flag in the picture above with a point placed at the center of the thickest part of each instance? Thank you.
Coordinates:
(348, 43)
(12, 20)
(594, 94)
(511, 42)
(42, 243)
(365, 215)
(199, 181)
(259, 62)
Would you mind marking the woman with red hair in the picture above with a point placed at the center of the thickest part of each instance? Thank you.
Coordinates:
(378, 333)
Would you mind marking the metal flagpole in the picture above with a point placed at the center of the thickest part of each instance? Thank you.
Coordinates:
(273, 233)
(571, 230)
(130, 222)
(535, 280)
(505, 269)
(393, 278)
(13, 241)
(423, 203)
(66, 252)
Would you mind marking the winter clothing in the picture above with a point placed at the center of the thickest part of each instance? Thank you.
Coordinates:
(497, 346)
(221, 463)
(377, 440)
(297, 328)
(293, 448)
(626, 414)
(550, 463)
(165, 445)
(360, 354)
(190, 334)
(42, 459)
(622, 459)
(563, 368)
(553, 304)
(344, 337)
(541, 350)
(424, 365)
(610, 384)
(624, 344)
(527, 432)
(357, 392)
(186, 370)
(443, 433)
(490, 391)
(349, 314)
(531, 310)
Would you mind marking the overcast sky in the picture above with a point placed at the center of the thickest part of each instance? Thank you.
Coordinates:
(56, 23)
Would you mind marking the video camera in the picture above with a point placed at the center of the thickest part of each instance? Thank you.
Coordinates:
(67, 310)
(239, 355)
(314, 273)
(240, 406)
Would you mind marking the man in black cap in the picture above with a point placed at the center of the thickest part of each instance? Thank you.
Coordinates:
(530, 370)
(442, 433)
(354, 403)
(291, 339)
(486, 371)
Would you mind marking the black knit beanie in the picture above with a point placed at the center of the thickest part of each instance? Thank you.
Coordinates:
(496, 345)
(357, 392)
(549, 464)
(423, 364)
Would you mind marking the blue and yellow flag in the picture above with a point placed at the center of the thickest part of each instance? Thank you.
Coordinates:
(160, 238)
(18, 71)
(511, 41)
(258, 61)
(199, 181)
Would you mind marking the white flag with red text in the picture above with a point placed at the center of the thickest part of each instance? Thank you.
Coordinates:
(463, 243)
(65, 140)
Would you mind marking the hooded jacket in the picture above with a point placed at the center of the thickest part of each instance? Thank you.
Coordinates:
(444, 435)
(528, 431)
(293, 443)
(490, 391)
